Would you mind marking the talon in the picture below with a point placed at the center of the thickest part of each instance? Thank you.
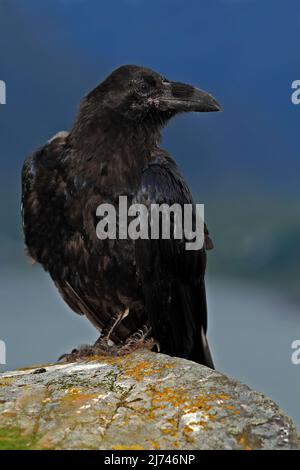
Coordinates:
(137, 340)
(156, 344)
(139, 335)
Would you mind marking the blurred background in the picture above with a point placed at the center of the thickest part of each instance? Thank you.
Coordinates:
(243, 164)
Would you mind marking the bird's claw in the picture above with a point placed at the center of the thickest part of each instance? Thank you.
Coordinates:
(86, 351)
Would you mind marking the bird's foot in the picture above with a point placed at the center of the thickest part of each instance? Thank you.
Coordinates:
(139, 340)
(100, 348)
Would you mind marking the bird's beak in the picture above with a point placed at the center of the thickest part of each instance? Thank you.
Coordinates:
(182, 97)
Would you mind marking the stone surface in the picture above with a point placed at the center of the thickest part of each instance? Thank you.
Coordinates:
(140, 401)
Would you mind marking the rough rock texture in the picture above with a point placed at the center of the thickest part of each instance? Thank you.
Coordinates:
(140, 401)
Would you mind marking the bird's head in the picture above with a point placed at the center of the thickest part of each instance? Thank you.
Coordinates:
(138, 94)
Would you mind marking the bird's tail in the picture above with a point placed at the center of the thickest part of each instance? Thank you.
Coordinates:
(179, 320)
(201, 351)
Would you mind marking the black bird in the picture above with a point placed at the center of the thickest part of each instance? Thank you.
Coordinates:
(130, 290)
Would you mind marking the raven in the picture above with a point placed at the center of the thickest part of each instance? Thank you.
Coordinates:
(133, 291)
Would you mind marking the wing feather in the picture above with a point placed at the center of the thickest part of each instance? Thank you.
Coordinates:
(172, 277)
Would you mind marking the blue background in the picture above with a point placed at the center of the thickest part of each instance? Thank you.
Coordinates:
(243, 163)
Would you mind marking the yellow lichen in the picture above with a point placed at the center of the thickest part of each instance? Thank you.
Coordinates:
(138, 371)
(155, 445)
(187, 429)
(170, 432)
(77, 397)
(248, 442)
(6, 381)
(128, 447)
(73, 391)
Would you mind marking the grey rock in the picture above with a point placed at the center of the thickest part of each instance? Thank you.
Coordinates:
(140, 401)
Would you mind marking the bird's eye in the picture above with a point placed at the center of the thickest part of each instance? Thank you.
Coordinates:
(142, 87)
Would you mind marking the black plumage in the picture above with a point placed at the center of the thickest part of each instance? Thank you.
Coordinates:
(128, 289)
